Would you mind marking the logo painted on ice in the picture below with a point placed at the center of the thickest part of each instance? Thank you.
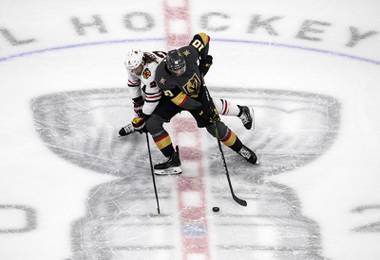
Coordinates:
(293, 128)
(17, 219)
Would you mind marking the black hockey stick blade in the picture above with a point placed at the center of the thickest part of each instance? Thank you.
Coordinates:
(239, 201)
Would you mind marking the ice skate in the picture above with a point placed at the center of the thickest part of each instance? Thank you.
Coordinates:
(249, 155)
(170, 167)
(246, 116)
(127, 130)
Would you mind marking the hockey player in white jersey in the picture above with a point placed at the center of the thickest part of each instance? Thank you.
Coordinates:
(145, 93)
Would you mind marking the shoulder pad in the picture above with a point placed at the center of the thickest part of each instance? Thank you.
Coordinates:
(186, 51)
(162, 76)
(163, 84)
(189, 53)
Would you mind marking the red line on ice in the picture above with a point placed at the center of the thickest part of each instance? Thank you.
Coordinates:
(193, 221)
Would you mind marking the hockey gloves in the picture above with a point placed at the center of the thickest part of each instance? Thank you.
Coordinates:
(139, 124)
(138, 103)
(209, 115)
(205, 64)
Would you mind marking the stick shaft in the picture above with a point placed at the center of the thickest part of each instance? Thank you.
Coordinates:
(152, 171)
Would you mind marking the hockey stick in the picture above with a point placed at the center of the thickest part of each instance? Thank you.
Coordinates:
(153, 177)
(236, 198)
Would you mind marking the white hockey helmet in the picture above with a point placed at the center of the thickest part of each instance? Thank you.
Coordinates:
(133, 59)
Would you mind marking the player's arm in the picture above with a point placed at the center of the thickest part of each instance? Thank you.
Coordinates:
(200, 43)
(153, 95)
(136, 94)
(178, 97)
(134, 89)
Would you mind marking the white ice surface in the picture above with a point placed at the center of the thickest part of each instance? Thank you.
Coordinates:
(330, 188)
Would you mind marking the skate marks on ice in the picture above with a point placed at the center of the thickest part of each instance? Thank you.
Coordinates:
(119, 224)
(82, 127)
(271, 227)
(373, 227)
(293, 128)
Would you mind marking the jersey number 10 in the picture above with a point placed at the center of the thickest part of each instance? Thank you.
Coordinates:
(198, 45)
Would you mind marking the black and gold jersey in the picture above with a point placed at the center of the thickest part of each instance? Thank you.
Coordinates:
(180, 88)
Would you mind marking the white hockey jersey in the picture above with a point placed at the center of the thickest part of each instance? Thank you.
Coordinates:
(145, 85)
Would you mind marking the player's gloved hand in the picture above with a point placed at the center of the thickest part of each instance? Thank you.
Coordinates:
(205, 64)
(139, 124)
(209, 115)
(138, 105)
(126, 130)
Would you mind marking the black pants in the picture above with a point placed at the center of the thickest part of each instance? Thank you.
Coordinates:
(204, 116)
(207, 116)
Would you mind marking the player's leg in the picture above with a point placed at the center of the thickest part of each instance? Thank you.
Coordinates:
(228, 108)
(231, 140)
(163, 113)
(208, 117)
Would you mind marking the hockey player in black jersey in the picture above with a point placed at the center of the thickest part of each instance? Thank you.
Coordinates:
(180, 76)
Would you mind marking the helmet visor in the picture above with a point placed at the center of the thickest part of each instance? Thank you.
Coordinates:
(179, 70)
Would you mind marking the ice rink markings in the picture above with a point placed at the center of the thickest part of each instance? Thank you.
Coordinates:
(238, 41)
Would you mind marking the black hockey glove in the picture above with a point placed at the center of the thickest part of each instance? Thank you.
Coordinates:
(209, 115)
(205, 64)
(138, 105)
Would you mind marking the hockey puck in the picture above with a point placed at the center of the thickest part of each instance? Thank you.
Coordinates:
(215, 209)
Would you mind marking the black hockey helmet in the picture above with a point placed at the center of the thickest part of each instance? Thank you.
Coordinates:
(175, 62)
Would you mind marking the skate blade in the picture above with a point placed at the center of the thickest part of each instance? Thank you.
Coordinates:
(253, 118)
(171, 171)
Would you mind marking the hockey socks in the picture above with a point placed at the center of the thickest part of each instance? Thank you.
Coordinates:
(231, 140)
(226, 107)
(164, 143)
